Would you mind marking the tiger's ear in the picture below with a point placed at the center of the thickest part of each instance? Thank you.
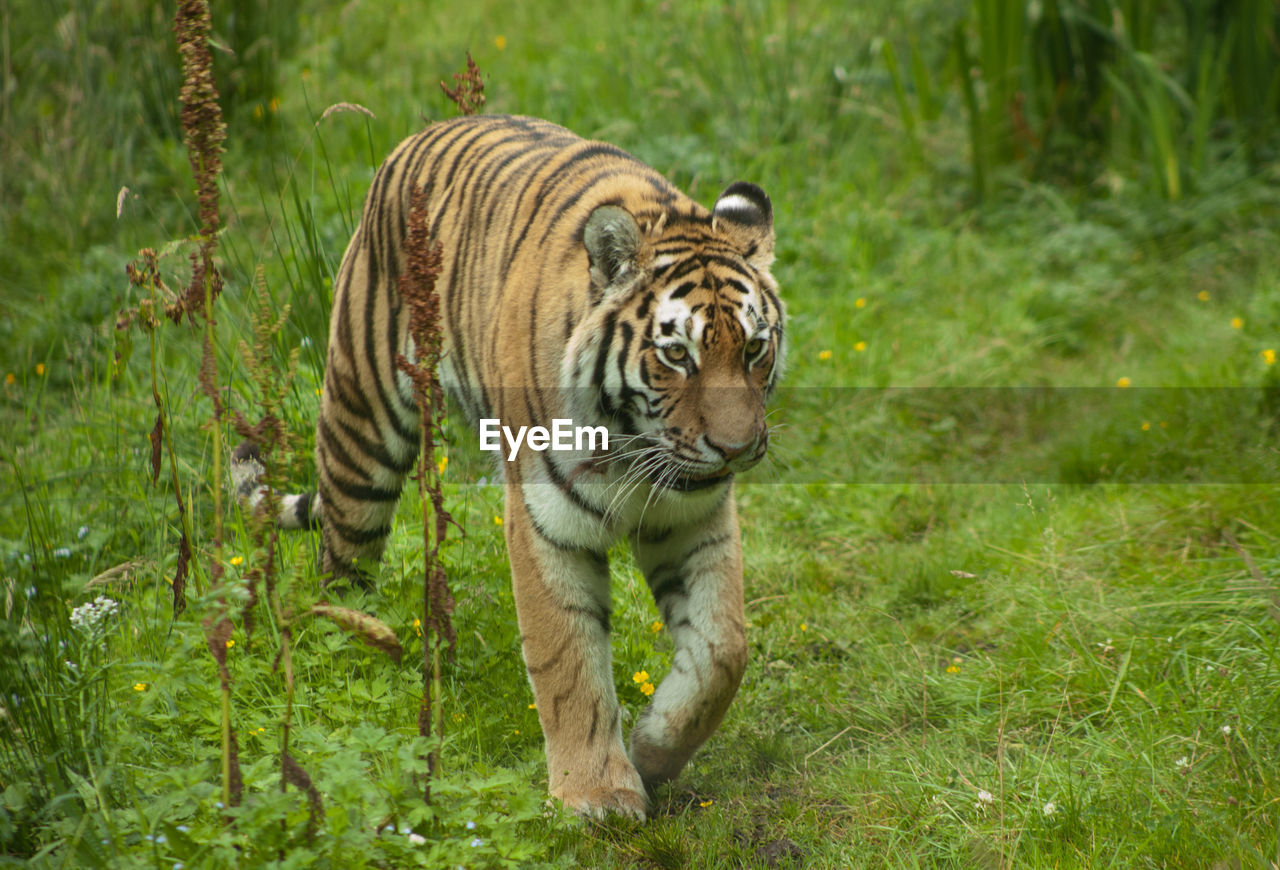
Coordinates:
(744, 215)
(612, 238)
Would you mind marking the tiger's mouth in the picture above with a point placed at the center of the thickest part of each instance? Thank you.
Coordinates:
(694, 482)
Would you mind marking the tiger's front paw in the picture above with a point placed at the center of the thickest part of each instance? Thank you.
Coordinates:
(602, 802)
(616, 788)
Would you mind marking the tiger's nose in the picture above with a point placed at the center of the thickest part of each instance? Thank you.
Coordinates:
(731, 452)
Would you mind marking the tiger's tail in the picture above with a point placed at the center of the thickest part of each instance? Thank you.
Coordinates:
(295, 511)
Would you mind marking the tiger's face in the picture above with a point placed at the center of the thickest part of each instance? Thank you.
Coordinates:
(691, 344)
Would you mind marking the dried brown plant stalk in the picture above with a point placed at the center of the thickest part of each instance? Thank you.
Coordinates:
(469, 93)
(203, 133)
(418, 287)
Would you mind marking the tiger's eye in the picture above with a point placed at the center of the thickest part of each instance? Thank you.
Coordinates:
(676, 352)
(754, 346)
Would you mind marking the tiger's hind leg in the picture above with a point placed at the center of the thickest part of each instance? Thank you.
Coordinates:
(563, 608)
(358, 505)
(695, 574)
(366, 445)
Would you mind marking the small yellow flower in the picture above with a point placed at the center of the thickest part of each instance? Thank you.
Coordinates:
(706, 803)
(458, 717)
(274, 105)
(442, 465)
(317, 391)
(9, 379)
(824, 355)
(40, 369)
(139, 687)
(1146, 427)
(1203, 295)
(646, 689)
(516, 732)
(237, 560)
(257, 111)
(500, 42)
(1123, 383)
(260, 730)
(417, 627)
(1269, 356)
(953, 669)
(640, 677)
(533, 706)
(860, 302)
(656, 627)
(1237, 323)
(804, 627)
(231, 642)
(497, 521)
(860, 346)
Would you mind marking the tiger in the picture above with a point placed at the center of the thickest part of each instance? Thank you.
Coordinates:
(577, 284)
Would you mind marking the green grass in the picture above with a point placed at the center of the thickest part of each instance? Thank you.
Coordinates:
(1073, 667)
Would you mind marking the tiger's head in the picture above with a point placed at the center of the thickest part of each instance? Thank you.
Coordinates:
(684, 344)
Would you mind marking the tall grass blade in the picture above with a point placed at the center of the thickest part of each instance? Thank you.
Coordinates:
(900, 96)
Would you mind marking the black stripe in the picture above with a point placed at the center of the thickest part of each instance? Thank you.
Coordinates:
(704, 545)
(351, 534)
(333, 449)
(663, 587)
(683, 290)
(363, 492)
(542, 533)
(602, 359)
(602, 617)
(377, 451)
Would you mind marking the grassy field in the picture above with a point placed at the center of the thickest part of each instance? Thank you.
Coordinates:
(1013, 570)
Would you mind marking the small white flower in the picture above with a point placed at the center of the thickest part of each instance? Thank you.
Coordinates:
(1050, 808)
(477, 843)
(89, 616)
(62, 553)
(82, 533)
(417, 839)
(984, 797)
(471, 826)
(1226, 730)
(1182, 762)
